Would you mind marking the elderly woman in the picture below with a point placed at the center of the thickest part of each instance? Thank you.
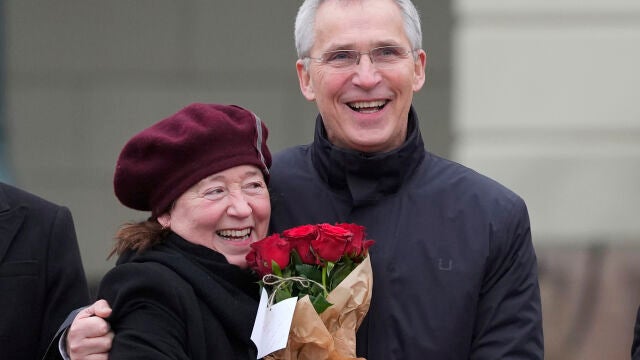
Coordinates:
(181, 289)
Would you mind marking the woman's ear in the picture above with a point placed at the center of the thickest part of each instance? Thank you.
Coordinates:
(165, 220)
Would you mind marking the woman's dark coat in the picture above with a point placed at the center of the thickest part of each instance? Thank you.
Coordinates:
(179, 300)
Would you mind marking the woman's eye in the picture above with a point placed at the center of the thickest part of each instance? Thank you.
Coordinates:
(254, 187)
(215, 193)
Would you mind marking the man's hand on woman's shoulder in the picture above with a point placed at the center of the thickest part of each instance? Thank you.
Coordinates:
(90, 336)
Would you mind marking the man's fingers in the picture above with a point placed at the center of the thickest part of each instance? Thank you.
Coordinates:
(87, 327)
(94, 348)
(104, 356)
(99, 308)
(102, 308)
(89, 337)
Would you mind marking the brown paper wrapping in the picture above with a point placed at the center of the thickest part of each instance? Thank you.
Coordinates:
(332, 334)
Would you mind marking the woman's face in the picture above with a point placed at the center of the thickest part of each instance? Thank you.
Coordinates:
(226, 212)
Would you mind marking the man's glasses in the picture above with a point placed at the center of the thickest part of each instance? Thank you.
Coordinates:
(385, 56)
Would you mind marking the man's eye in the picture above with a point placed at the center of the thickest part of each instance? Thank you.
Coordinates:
(339, 56)
(390, 51)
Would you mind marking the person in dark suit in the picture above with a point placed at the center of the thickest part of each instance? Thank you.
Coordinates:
(41, 273)
(635, 346)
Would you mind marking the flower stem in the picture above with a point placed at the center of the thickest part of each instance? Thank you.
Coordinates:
(324, 280)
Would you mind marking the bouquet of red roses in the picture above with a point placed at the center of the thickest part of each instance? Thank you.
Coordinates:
(327, 268)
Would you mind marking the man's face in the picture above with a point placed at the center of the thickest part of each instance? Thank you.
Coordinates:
(364, 107)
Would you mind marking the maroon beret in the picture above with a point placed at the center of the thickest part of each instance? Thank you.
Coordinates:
(163, 161)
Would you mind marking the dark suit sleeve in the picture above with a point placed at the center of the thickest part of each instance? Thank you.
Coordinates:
(66, 282)
(509, 321)
(635, 346)
(53, 352)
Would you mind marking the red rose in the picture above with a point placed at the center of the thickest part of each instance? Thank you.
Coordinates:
(331, 242)
(251, 259)
(358, 245)
(300, 238)
(264, 251)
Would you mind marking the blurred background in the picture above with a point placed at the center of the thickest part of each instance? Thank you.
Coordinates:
(540, 95)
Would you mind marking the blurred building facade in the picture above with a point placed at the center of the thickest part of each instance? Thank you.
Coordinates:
(540, 95)
(545, 100)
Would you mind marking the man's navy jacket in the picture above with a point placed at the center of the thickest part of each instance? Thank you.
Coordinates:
(455, 274)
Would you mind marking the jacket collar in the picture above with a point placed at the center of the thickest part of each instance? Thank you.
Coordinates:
(367, 177)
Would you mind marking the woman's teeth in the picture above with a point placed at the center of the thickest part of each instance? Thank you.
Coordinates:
(234, 234)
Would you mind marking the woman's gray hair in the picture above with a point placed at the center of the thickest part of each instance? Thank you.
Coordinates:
(304, 35)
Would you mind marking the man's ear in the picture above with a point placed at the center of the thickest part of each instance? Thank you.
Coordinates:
(306, 87)
(420, 66)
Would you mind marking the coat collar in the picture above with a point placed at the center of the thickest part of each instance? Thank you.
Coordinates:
(365, 177)
(10, 221)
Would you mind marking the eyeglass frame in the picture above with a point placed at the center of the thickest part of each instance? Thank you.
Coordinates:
(359, 54)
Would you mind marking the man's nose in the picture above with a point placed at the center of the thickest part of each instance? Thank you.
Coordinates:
(361, 55)
(366, 73)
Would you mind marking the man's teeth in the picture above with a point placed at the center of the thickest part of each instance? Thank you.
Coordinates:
(235, 234)
(367, 106)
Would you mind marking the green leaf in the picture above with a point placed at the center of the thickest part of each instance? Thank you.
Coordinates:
(309, 271)
(319, 303)
(275, 268)
(330, 266)
(282, 294)
(295, 257)
(339, 274)
(347, 261)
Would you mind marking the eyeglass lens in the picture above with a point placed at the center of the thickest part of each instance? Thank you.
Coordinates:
(385, 55)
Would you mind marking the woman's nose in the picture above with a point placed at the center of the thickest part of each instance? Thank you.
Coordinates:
(238, 206)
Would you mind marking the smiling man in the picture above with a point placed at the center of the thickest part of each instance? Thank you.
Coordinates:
(455, 274)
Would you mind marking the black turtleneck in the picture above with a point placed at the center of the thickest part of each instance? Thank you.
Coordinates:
(367, 177)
